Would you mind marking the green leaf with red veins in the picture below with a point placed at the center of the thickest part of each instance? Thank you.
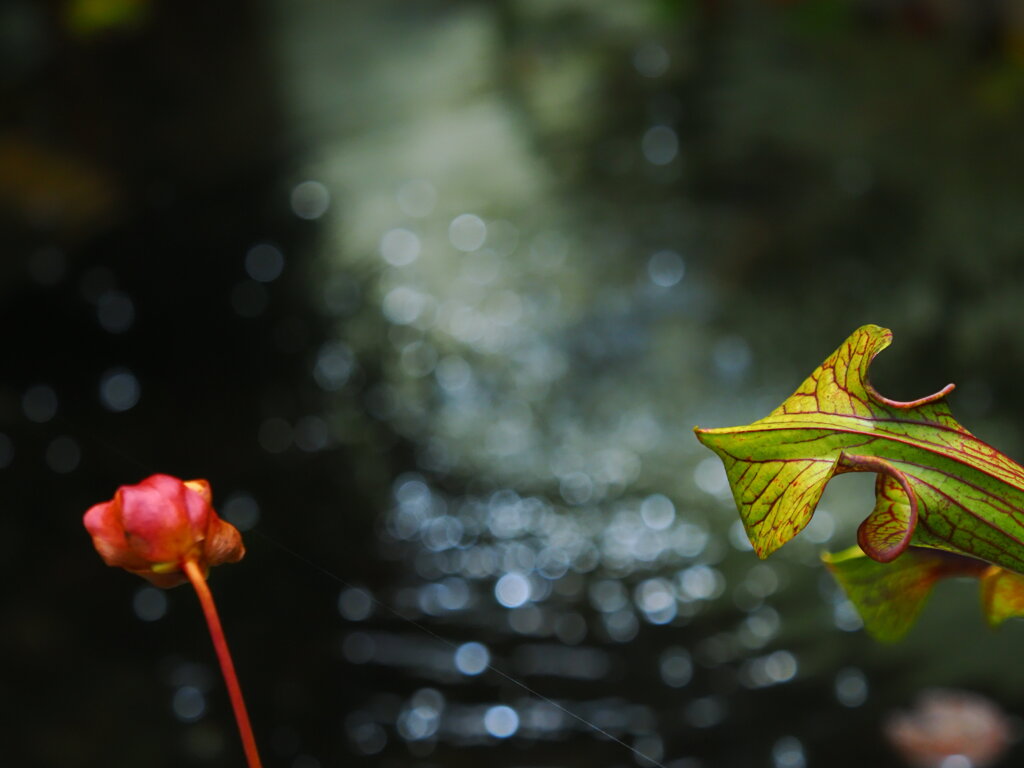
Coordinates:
(938, 486)
(889, 596)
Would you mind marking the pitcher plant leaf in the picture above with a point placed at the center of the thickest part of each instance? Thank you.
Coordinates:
(939, 487)
(890, 596)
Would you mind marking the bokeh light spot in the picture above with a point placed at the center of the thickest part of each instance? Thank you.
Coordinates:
(119, 390)
(150, 603)
(788, 752)
(621, 626)
(666, 268)
(608, 595)
(651, 60)
(402, 305)
(115, 311)
(732, 357)
(472, 658)
(738, 537)
(39, 403)
(705, 712)
(660, 145)
(310, 200)
(399, 247)
(658, 512)
(710, 477)
(467, 232)
(702, 582)
(334, 364)
(311, 434)
(241, 510)
(851, 687)
(650, 750)
(501, 721)
(264, 262)
(355, 604)
(821, 528)
(188, 703)
(676, 666)
(453, 373)
(512, 590)
(369, 738)
(845, 616)
(655, 598)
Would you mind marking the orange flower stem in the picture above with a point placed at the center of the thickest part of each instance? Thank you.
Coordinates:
(220, 644)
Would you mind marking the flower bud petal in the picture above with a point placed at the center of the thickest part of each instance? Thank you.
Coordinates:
(223, 543)
(156, 522)
(103, 521)
(202, 488)
(153, 527)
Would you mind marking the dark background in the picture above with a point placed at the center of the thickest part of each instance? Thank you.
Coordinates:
(840, 163)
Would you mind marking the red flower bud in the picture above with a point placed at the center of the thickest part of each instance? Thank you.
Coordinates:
(153, 528)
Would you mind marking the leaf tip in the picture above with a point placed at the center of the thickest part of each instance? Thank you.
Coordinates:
(1002, 595)
(705, 435)
(763, 547)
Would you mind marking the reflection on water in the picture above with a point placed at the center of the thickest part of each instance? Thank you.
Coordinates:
(569, 562)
